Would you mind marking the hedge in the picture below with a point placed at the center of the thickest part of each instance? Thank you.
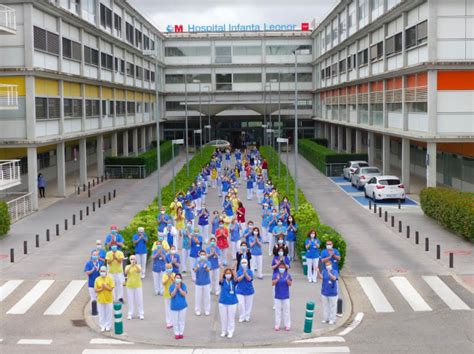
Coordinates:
(147, 217)
(306, 216)
(5, 221)
(320, 155)
(450, 208)
(321, 141)
(148, 158)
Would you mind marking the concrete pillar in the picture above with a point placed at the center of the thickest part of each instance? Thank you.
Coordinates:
(358, 141)
(100, 155)
(143, 138)
(113, 142)
(349, 140)
(340, 145)
(386, 154)
(162, 133)
(149, 130)
(431, 165)
(61, 169)
(371, 148)
(82, 161)
(332, 139)
(135, 141)
(33, 176)
(125, 143)
(406, 164)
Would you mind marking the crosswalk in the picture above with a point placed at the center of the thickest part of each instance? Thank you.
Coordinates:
(25, 301)
(273, 350)
(411, 295)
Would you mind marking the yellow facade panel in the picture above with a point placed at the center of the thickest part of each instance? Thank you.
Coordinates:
(46, 87)
(130, 95)
(92, 91)
(107, 93)
(72, 89)
(19, 81)
(119, 95)
(139, 96)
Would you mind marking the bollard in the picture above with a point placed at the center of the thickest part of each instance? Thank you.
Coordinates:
(451, 260)
(417, 237)
(93, 206)
(87, 210)
(93, 183)
(105, 200)
(427, 244)
(438, 251)
(65, 224)
(308, 321)
(98, 180)
(37, 240)
(375, 208)
(88, 193)
(102, 178)
(408, 231)
(78, 190)
(370, 204)
(84, 187)
(57, 229)
(399, 226)
(98, 202)
(399, 204)
(47, 235)
(94, 311)
(118, 324)
(89, 185)
(380, 212)
(25, 247)
(80, 215)
(393, 221)
(110, 196)
(12, 255)
(386, 215)
(74, 219)
(339, 307)
(114, 193)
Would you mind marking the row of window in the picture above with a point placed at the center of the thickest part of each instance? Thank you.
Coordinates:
(176, 106)
(411, 107)
(414, 36)
(223, 53)
(236, 78)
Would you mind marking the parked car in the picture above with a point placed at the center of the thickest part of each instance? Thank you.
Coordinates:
(351, 167)
(384, 187)
(362, 175)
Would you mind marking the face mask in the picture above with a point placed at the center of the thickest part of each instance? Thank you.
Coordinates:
(255, 233)
(173, 251)
(243, 248)
(280, 242)
(228, 276)
(329, 268)
(221, 225)
(103, 274)
(158, 247)
(95, 258)
(178, 280)
(329, 247)
(244, 265)
(98, 247)
(160, 238)
(280, 223)
(274, 213)
(280, 254)
(281, 270)
(113, 248)
(312, 235)
(114, 232)
(169, 270)
(213, 243)
(250, 226)
(203, 258)
(162, 212)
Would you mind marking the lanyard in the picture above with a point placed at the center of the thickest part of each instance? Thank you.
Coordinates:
(231, 286)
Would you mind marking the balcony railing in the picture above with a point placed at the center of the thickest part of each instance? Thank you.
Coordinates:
(19, 206)
(7, 20)
(10, 174)
(8, 96)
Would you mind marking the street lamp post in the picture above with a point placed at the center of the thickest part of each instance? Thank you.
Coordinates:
(295, 52)
(173, 143)
(209, 110)
(264, 113)
(270, 114)
(279, 126)
(186, 122)
(198, 131)
(279, 141)
(200, 115)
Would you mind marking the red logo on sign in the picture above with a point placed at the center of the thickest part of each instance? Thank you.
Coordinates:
(305, 26)
(178, 28)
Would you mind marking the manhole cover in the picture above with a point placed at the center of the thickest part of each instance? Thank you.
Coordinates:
(79, 323)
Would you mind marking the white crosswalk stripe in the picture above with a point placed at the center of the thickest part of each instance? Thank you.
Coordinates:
(30, 298)
(410, 294)
(375, 295)
(445, 293)
(295, 350)
(66, 297)
(9, 287)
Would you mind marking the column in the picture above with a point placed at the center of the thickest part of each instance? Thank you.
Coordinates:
(332, 140)
(33, 176)
(358, 141)
(143, 138)
(125, 143)
(406, 164)
(149, 130)
(135, 141)
(371, 148)
(61, 169)
(349, 140)
(30, 108)
(340, 145)
(327, 134)
(82, 161)
(386, 154)
(100, 155)
(113, 139)
(431, 165)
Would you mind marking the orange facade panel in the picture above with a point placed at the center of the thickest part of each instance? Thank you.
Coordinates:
(464, 149)
(363, 88)
(456, 80)
(376, 86)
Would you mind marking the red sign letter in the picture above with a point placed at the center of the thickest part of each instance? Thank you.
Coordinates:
(305, 26)
(178, 28)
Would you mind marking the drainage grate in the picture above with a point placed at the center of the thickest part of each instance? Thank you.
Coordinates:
(79, 323)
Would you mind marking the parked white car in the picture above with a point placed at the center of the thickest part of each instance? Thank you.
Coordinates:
(385, 187)
(362, 175)
(351, 167)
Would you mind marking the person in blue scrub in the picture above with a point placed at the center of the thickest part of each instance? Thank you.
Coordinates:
(189, 212)
(243, 253)
(162, 219)
(203, 222)
(202, 269)
(140, 240)
(173, 258)
(114, 238)
(234, 231)
(332, 255)
(227, 205)
(255, 244)
(100, 250)
(178, 306)
(312, 245)
(92, 270)
(196, 247)
(228, 302)
(248, 231)
(245, 291)
(215, 222)
(292, 229)
(282, 282)
(213, 253)
(159, 266)
(329, 293)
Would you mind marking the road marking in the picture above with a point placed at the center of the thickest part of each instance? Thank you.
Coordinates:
(321, 340)
(357, 320)
(301, 350)
(7, 288)
(108, 341)
(30, 298)
(410, 294)
(65, 298)
(35, 341)
(375, 295)
(445, 293)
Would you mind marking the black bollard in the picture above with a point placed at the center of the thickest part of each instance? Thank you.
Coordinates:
(78, 190)
(80, 215)
(451, 260)
(37, 240)
(110, 196)
(93, 183)
(12, 255)
(114, 193)
(84, 187)
(88, 193)
(438, 251)
(47, 235)
(375, 208)
(25, 247)
(380, 212)
(399, 204)
(427, 244)
(370, 204)
(89, 185)
(57, 229)
(74, 219)
(417, 237)
(94, 311)
(408, 231)
(98, 180)
(105, 200)
(87, 210)
(65, 224)
(339, 307)
(393, 221)
(98, 202)
(386, 215)
(93, 206)
(399, 226)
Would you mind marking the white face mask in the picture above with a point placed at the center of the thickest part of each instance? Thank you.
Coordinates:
(329, 247)
(312, 235)
(329, 268)
(103, 274)
(228, 276)
(255, 233)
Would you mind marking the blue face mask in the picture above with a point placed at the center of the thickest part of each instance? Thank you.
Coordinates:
(95, 258)
(113, 248)
(169, 270)
(281, 270)
(213, 244)
(178, 280)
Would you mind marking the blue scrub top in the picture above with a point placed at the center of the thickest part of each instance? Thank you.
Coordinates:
(203, 219)
(228, 294)
(335, 263)
(170, 257)
(234, 232)
(245, 287)
(159, 263)
(202, 275)
(329, 287)
(195, 247)
(312, 252)
(118, 238)
(178, 302)
(256, 250)
(140, 247)
(213, 260)
(282, 289)
(291, 236)
(92, 277)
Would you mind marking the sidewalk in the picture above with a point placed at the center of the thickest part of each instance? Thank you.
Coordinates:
(204, 331)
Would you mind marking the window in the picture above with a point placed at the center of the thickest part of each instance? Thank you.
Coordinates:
(287, 49)
(224, 82)
(394, 107)
(131, 108)
(287, 77)
(334, 69)
(119, 65)
(147, 75)
(47, 108)
(72, 108)
(417, 34)
(204, 78)
(111, 107)
(376, 51)
(92, 108)
(187, 51)
(91, 56)
(247, 50)
(106, 61)
(104, 108)
(362, 10)
(351, 62)
(393, 44)
(152, 76)
(410, 37)
(130, 69)
(224, 55)
(362, 57)
(120, 108)
(118, 25)
(138, 38)
(129, 32)
(417, 107)
(322, 74)
(342, 66)
(105, 16)
(46, 41)
(174, 106)
(244, 78)
(146, 42)
(139, 72)
(71, 50)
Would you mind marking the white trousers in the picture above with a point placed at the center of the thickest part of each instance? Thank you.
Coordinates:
(202, 296)
(256, 262)
(271, 242)
(264, 234)
(118, 289)
(259, 195)
(223, 257)
(176, 241)
(282, 306)
(291, 250)
(312, 264)
(329, 304)
(158, 282)
(135, 301)
(178, 318)
(215, 280)
(198, 203)
(245, 306)
(249, 193)
(105, 315)
(193, 262)
(234, 245)
(204, 231)
(92, 294)
(227, 313)
(141, 260)
(168, 311)
(184, 260)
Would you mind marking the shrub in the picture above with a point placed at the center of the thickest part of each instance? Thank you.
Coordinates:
(321, 141)
(4, 218)
(452, 209)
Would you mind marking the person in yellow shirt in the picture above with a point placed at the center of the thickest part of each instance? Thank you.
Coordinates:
(134, 288)
(103, 286)
(179, 220)
(114, 259)
(168, 279)
(175, 204)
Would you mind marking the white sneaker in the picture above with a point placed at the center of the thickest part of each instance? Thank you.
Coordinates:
(102, 329)
(230, 335)
(324, 321)
(198, 313)
(142, 317)
(223, 334)
(332, 322)
(129, 317)
(241, 320)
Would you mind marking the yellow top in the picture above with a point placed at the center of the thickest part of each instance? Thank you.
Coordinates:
(105, 296)
(115, 265)
(173, 208)
(134, 276)
(180, 223)
(227, 220)
(164, 244)
(258, 170)
(167, 281)
(235, 204)
(214, 173)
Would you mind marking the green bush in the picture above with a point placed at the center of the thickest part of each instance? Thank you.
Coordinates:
(452, 209)
(147, 217)
(306, 216)
(4, 218)
(321, 141)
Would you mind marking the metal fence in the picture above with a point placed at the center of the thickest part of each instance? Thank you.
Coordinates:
(20, 206)
(125, 171)
(7, 18)
(10, 173)
(334, 169)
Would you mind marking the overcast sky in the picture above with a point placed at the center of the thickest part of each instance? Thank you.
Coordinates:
(205, 12)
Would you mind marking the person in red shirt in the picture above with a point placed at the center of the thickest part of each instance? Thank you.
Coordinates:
(222, 236)
(241, 214)
(265, 168)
